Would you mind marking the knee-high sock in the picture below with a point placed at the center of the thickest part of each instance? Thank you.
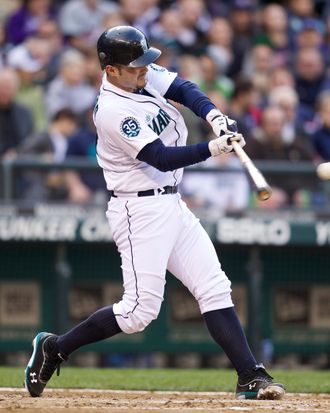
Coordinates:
(225, 328)
(99, 326)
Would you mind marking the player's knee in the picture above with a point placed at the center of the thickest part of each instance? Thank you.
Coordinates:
(217, 297)
(143, 318)
(145, 311)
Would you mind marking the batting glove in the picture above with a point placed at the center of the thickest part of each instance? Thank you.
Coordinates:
(222, 145)
(220, 123)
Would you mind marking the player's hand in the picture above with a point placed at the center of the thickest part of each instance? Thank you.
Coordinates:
(222, 145)
(220, 123)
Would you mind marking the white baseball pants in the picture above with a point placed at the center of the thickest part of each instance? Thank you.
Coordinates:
(155, 233)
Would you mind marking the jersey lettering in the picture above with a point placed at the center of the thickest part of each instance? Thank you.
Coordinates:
(159, 123)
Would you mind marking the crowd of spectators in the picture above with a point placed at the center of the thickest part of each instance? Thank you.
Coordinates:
(264, 63)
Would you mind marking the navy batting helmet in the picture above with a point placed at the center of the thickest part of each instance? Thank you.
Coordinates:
(126, 46)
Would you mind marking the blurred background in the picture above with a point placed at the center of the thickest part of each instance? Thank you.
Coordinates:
(265, 64)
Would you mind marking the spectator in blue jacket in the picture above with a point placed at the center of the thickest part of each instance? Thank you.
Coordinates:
(310, 79)
(86, 186)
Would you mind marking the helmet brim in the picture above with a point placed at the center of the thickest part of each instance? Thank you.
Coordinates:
(148, 57)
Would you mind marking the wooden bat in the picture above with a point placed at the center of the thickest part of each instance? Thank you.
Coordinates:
(264, 191)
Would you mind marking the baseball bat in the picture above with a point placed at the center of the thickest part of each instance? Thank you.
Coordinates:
(264, 191)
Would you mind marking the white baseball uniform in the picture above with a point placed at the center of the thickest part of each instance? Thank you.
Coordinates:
(158, 232)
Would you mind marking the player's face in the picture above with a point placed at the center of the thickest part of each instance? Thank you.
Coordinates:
(128, 78)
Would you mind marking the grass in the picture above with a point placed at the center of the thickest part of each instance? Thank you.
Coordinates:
(302, 381)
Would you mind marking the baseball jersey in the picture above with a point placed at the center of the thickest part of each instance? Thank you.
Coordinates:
(126, 122)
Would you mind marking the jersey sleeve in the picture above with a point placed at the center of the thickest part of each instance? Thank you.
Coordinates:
(128, 131)
(160, 78)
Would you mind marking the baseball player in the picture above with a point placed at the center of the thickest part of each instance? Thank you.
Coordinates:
(142, 150)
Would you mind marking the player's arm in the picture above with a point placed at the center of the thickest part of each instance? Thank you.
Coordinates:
(188, 94)
(169, 158)
(166, 158)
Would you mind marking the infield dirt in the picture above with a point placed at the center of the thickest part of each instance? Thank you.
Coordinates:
(58, 401)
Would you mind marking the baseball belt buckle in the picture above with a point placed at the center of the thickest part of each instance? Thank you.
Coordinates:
(161, 191)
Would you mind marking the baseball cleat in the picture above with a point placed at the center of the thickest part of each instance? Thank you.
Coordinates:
(259, 385)
(45, 359)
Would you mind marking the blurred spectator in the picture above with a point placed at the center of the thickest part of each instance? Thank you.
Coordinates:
(220, 38)
(310, 79)
(51, 145)
(30, 57)
(16, 121)
(268, 144)
(311, 34)
(70, 88)
(81, 21)
(212, 78)
(274, 31)
(113, 19)
(26, 20)
(222, 191)
(85, 187)
(189, 67)
(30, 60)
(149, 15)
(93, 72)
(131, 10)
(195, 21)
(169, 31)
(49, 31)
(298, 11)
(286, 98)
(244, 107)
(259, 65)
(281, 76)
(321, 136)
(242, 19)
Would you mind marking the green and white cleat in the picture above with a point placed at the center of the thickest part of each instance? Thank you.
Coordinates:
(45, 359)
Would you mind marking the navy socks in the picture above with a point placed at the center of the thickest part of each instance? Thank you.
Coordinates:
(99, 326)
(225, 328)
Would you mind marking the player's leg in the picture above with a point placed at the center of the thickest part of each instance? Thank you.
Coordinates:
(152, 227)
(194, 261)
(144, 231)
(49, 350)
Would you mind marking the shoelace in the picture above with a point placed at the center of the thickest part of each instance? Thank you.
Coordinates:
(263, 373)
(260, 374)
(51, 364)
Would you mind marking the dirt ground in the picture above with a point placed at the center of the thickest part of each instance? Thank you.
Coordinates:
(59, 401)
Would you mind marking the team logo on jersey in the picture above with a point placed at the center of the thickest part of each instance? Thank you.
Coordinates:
(159, 122)
(130, 127)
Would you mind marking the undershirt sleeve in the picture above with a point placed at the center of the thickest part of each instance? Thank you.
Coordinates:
(166, 158)
(188, 94)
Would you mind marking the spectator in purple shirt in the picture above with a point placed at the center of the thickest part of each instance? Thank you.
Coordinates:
(27, 19)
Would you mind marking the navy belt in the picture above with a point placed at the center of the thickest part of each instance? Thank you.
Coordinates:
(149, 192)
